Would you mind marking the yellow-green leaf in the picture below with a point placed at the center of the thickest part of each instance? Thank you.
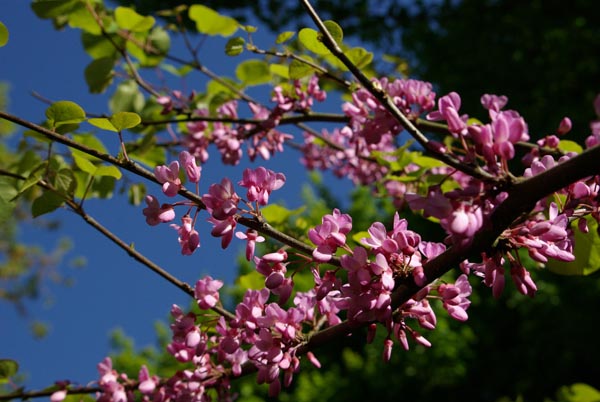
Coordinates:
(253, 72)
(210, 22)
(108, 170)
(64, 112)
(570, 146)
(82, 19)
(103, 123)
(281, 70)
(299, 69)
(83, 163)
(124, 120)
(128, 19)
(284, 36)
(311, 40)
(234, 46)
(47, 202)
(3, 34)
(252, 280)
(359, 56)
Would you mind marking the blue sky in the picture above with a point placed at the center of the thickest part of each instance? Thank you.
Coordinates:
(112, 291)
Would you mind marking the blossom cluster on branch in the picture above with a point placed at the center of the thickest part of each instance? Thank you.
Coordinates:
(387, 281)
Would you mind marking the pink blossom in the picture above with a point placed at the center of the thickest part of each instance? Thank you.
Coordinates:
(224, 229)
(188, 162)
(455, 297)
(330, 235)
(252, 237)
(260, 183)
(169, 177)
(58, 396)
(189, 239)
(207, 292)
(156, 214)
(221, 200)
(564, 126)
(448, 106)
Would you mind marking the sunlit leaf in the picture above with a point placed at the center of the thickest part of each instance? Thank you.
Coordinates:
(253, 72)
(64, 112)
(98, 46)
(108, 170)
(82, 19)
(277, 214)
(158, 43)
(234, 46)
(210, 22)
(53, 8)
(310, 39)
(128, 19)
(124, 120)
(284, 36)
(99, 74)
(252, 280)
(83, 163)
(299, 70)
(359, 56)
(281, 70)
(569, 146)
(3, 34)
(103, 123)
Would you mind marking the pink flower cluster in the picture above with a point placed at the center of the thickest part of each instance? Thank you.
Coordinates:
(262, 137)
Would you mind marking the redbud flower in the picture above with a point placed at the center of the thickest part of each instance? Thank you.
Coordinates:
(189, 239)
(169, 177)
(260, 183)
(330, 235)
(207, 292)
(188, 162)
(156, 214)
(455, 297)
(564, 126)
(252, 237)
(221, 200)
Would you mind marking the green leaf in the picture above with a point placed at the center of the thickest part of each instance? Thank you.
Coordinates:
(578, 392)
(234, 46)
(158, 40)
(359, 56)
(83, 163)
(124, 120)
(98, 46)
(65, 182)
(569, 146)
(108, 170)
(253, 72)
(128, 19)
(90, 141)
(299, 70)
(276, 214)
(53, 8)
(6, 205)
(8, 368)
(47, 202)
(136, 193)
(99, 74)
(3, 34)
(82, 19)
(252, 280)
(313, 40)
(284, 36)
(586, 250)
(210, 22)
(357, 237)
(281, 70)
(64, 112)
(127, 98)
(310, 39)
(103, 123)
